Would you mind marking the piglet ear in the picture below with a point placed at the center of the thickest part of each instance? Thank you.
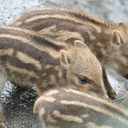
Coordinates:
(79, 43)
(122, 24)
(64, 59)
(116, 38)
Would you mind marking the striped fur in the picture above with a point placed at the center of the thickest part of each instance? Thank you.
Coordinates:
(28, 58)
(108, 42)
(70, 108)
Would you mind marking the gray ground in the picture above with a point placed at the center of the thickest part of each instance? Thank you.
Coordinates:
(17, 101)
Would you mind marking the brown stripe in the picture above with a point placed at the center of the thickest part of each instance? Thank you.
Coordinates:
(100, 100)
(22, 39)
(24, 32)
(72, 14)
(49, 99)
(96, 108)
(67, 117)
(41, 112)
(63, 34)
(21, 70)
(6, 52)
(27, 59)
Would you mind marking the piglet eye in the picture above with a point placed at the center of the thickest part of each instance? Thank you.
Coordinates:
(83, 79)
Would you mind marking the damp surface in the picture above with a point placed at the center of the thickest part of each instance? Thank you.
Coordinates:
(18, 104)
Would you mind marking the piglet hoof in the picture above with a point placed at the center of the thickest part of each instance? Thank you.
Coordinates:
(112, 94)
(3, 122)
